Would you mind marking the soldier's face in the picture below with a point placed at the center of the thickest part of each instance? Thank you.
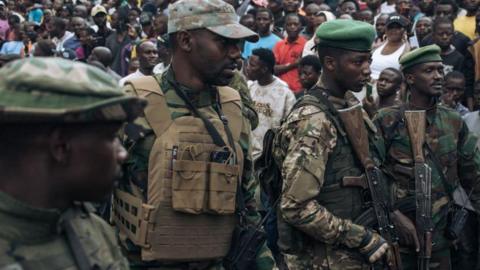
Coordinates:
(427, 79)
(214, 57)
(95, 155)
(352, 70)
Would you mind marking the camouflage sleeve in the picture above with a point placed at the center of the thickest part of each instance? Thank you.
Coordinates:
(469, 165)
(307, 138)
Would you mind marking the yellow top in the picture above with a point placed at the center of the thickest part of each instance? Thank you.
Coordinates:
(466, 25)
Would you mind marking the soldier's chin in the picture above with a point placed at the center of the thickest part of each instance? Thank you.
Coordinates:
(223, 79)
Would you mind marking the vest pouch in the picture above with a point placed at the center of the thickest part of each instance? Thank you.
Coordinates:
(222, 188)
(189, 186)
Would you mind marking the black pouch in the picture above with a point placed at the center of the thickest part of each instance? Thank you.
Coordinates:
(246, 242)
(456, 222)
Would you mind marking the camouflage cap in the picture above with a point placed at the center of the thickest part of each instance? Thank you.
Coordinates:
(214, 15)
(58, 90)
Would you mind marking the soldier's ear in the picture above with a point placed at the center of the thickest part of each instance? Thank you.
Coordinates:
(409, 78)
(329, 63)
(184, 40)
(59, 146)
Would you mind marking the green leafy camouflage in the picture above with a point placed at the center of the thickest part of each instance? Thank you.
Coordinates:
(240, 84)
(303, 146)
(215, 15)
(54, 89)
(453, 145)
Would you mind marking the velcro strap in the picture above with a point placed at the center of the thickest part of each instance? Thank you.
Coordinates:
(132, 217)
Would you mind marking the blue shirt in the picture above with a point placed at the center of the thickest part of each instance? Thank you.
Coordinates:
(12, 47)
(36, 16)
(267, 42)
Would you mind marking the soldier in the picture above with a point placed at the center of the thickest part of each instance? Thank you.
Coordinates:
(59, 121)
(316, 159)
(448, 153)
(188, 182)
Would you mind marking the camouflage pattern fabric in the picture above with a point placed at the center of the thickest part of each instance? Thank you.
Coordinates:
(58, 90)
(136, 166)
(453, 145)
(34, 238)
(302, 147)
(214, 15)
(240, 84)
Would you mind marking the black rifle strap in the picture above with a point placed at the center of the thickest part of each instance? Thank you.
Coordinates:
(438, 166)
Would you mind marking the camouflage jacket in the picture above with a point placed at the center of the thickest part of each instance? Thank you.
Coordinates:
(34, 238)
(136, 166)
(453, 146)
(303, 146)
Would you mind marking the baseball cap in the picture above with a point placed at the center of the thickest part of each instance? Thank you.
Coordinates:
(398, 19)
(214, 15)
(98, 9)
(52, 89)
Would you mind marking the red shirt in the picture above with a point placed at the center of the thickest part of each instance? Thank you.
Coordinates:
(287, 53)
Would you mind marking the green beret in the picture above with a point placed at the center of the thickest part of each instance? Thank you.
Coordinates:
(346, 34)
(430, 53)
(58, 90)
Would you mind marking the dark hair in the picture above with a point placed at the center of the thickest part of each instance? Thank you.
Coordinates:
(454, 75)
(450, 3)
(357, 7)
(46, 46)
(59, 23)
(439, 21)
(397, 72)
(266, 56)
(292, 15)
(270, 14)
(311, 60)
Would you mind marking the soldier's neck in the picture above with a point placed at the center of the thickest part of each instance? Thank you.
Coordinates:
(387, 101)
(421, 101)
(333, 88)
(184, 75)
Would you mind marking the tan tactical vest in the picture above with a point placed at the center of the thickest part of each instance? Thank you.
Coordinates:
(189, 212)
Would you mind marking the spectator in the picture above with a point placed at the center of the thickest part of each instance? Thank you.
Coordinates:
(290, 7)
(320, 17)
(35, 13)
(453, 92)
(87, 43)
(103, 55)
(116, 42)
(76, 24)
(44, 48)
(148, 59)
(263, 23)
(58, 32)
(388, 7)
(3, 22)
(288, 53)
(248, 20)
(164, 54)
(365, 15)
(16, 45)
(348, 7)
(380, 29)
(272, 97)
(147, 25)
(389, 84)
(466, 24)
(422, 28)
(101, 27)
(388, 54)
(374, 6)
(160, 25)
(133, 66)
(442, 36)
(309, 70)
(80, 11)
(311, 12)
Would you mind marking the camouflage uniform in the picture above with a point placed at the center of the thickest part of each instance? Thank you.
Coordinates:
(52, 90)
(222, 21)
(304, 147)
(453, 145)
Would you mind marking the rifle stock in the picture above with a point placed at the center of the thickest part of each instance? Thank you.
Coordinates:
(353, 122)
(416, 125)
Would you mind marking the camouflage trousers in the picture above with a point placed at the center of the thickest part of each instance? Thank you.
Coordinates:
(180, 266)
(327, 258)
(441, 260)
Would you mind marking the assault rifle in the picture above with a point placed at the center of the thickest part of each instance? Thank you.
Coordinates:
(352, 119)
(416, 124)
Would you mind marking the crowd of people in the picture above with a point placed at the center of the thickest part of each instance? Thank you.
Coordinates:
(237, 91)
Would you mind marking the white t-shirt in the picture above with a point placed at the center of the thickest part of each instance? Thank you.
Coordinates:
(272, 103)
(381, 62)
(386, 8)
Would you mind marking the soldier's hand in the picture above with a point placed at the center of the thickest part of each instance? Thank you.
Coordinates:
(406, 230)
(374, 247)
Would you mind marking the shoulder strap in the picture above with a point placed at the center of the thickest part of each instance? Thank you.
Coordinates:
(157, 113)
